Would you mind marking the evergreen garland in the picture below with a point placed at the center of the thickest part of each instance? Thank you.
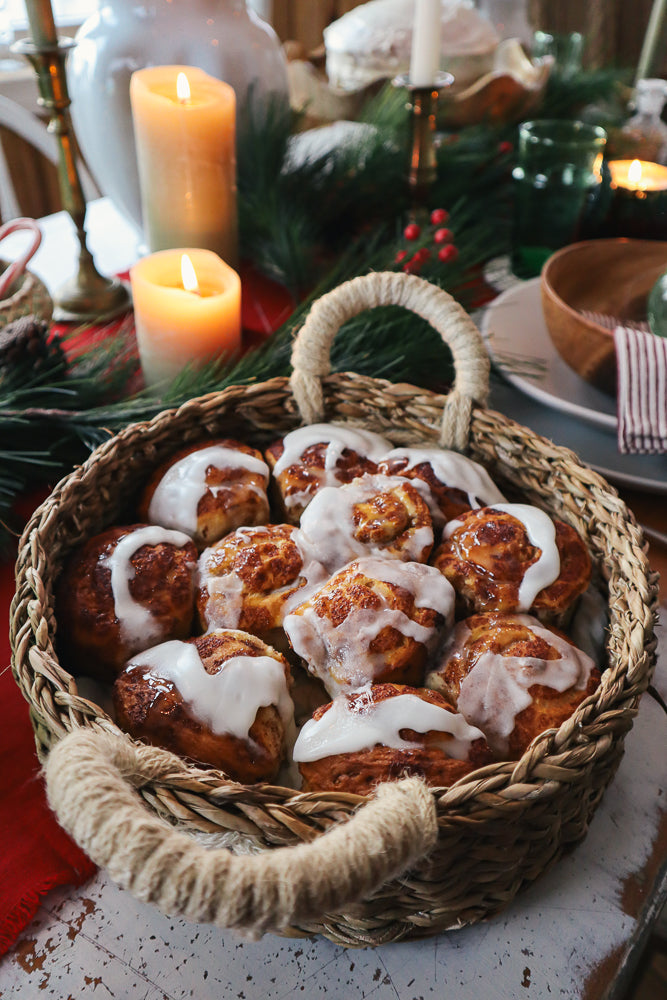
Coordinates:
(309, 224)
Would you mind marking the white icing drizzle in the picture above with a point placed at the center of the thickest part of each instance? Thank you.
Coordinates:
(227, 701)
(337, 437)
(227, 591)
(137, 624)
(327, 525)
(177, 495)
(497, 688)
(541, 532)
(340, 655)
(453, 470)
(344, 729)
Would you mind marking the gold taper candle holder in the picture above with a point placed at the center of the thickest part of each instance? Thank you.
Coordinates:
(88, 295)
(423, 104)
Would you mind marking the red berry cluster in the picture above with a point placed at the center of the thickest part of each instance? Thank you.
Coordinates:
(441, 237)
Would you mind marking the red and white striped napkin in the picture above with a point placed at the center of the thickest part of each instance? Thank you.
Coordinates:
(641, 391)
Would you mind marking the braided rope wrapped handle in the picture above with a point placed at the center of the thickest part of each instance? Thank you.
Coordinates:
(311, 350)
(92, 779)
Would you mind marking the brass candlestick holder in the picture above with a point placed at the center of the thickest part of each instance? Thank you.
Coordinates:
(423, 105)
(88, 295)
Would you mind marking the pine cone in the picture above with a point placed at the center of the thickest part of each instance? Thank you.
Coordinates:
(28, 355)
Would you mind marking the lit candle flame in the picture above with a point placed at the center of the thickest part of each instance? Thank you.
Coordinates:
(188, 276)
(182, 88)
(635, 174)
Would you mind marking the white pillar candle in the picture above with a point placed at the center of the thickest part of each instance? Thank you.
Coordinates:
(426, 32)
(176, 326)
(186, 155)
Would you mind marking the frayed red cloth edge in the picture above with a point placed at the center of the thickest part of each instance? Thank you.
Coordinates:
(36, 855)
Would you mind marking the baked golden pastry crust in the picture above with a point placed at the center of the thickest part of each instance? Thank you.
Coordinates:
(375, 620)
(340, 455)
(488, 554)
(100, 627)
(150, 706)
(208, 499)
(505, 656)
(252, 578)
(359, 772)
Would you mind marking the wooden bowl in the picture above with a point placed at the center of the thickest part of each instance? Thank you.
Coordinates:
(611, 277)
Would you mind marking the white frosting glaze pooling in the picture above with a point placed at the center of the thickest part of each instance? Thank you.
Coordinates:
(497, 687)
(136, 621)
(327, 524)
(340, 655)
(177, 495)
(541, 533)
(342, 729)
(227, 701)
(453, 470)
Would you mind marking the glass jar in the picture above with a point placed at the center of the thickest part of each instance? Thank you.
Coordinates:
(223, 37)
(644, 136)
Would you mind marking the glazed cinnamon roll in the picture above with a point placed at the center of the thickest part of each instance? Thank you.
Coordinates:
(221, 699)
(124, 590)
(513, 678)
(513, 557)
(253, 577)
(383, 733)
(456, 483)
(319, 455)
(371, 516)
(375, 620)
(207, 490)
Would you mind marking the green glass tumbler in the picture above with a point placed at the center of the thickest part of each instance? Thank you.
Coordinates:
(556, 189)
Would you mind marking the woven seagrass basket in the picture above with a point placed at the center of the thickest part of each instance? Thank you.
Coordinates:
(410, 860)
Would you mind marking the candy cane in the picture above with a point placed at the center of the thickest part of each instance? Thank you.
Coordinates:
(18, 266)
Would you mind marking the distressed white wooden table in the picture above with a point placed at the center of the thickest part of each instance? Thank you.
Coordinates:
(575, 933)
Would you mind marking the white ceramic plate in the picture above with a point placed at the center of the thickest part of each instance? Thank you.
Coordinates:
(595, 446)
(516, 335)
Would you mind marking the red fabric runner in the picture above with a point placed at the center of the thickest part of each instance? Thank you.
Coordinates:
(35, 853)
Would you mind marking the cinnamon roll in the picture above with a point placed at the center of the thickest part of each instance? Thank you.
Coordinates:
(310, 458)
(253, 577)
(207, 490)
(221, 699)
(383, 733)
(513, 557)
(124, 590)
(371, 516)
(375, 620)
(513, 678)
(456, 483)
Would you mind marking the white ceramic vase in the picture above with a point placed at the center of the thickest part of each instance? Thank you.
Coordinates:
(222, 37)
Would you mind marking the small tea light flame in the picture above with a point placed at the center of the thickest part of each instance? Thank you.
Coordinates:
(182, 88)
(188, 276)
(635, 174)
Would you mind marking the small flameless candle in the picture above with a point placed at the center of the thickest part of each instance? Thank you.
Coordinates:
(639, 200)
(187, 310)
(426, 31)
(184, 126)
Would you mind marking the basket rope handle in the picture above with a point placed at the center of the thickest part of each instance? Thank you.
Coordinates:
(312, 347)
(91, 779)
